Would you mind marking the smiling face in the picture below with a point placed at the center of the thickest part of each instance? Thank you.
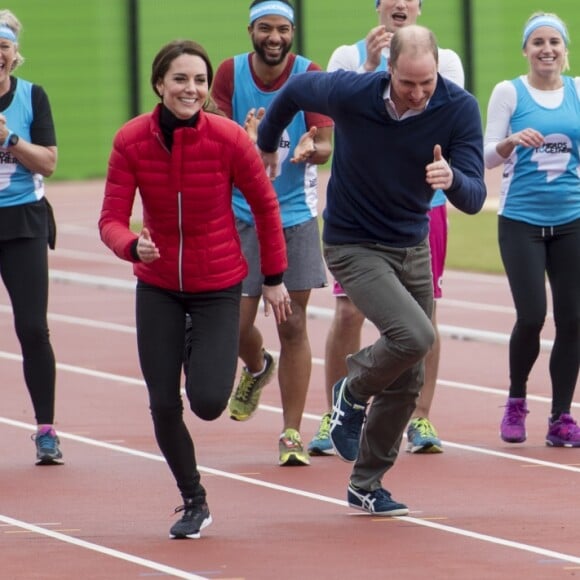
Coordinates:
(272, 38)
(184, 87)
(8, 51)
(394, 14)
(413, 81)
(546, 51)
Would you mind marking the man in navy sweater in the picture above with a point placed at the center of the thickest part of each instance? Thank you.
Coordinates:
(399, 136)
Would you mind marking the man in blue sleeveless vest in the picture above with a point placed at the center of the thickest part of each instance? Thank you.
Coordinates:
(394, 133)
(344, 337)
(243, 88)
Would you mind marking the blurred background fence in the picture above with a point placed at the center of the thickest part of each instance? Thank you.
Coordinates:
(94, 57)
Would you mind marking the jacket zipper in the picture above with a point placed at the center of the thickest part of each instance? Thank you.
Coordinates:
(180, 229)
(180, 255)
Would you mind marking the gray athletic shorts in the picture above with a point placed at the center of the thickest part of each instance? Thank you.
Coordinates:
(305, 262)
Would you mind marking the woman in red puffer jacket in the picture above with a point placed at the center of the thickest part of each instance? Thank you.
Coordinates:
(184, 159)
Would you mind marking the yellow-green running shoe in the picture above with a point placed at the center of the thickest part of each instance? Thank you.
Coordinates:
(291, 449)
(244, 401)
(321, 443)
(422, 437)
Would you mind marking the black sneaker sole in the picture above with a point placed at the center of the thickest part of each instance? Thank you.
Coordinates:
(49, 461)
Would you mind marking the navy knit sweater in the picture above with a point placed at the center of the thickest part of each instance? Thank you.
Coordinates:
(377, 191)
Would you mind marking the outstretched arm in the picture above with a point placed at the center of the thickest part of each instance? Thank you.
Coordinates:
(302, 92)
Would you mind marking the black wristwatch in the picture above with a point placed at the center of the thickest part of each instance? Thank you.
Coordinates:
(13, 139)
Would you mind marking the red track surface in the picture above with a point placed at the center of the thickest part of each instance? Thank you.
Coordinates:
(482, 509)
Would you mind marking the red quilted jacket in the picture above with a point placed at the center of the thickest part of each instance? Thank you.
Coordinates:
(186, 196)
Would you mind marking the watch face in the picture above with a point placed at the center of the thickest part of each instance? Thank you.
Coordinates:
(13, 139)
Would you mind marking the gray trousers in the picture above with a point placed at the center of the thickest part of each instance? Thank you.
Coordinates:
(393, 288)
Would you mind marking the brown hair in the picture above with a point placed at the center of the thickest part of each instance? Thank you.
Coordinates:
(168, 53)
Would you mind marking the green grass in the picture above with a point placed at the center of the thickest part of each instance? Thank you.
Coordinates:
(472, 242)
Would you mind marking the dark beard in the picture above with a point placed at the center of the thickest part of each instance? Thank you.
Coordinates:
(272, 61)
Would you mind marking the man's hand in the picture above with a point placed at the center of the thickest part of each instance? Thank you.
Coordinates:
(306, 147)
(270, 161)
(252, 121)
(377, 39)
(438, 174)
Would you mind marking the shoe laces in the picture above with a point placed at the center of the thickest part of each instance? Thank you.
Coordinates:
(567, 427)
(324, 430)
(189, 510)
(382, 493)
(354, 418)
(46, 441)
(244, 390)
(291, 439)
(515, 413)
(424, 427)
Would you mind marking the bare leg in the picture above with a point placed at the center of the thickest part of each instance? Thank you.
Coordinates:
(251, 341)
(421, 434)
(295, 364)
(431, 371)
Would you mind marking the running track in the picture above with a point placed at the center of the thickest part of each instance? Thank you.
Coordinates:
(482, 510)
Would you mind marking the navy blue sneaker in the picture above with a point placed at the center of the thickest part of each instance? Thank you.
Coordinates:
(378, 502)
(346, 423)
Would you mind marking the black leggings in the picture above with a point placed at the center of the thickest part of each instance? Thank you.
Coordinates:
(529, 253)
(24, 270)
(161, 316)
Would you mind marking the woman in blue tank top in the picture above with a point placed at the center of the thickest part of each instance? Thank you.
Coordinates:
(27, 154)
(533, 129)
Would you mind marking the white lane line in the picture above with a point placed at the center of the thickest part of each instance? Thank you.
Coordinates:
(129, 284)
(453, 332)
(312, 416)
(81, 370)
(78, 321)
(314, 496)
(94, 257)
(158, 567)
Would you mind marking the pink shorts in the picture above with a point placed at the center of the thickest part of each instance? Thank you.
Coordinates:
(438, 244)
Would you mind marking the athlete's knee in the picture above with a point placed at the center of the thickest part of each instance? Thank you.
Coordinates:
(210, 407)
(347, 316)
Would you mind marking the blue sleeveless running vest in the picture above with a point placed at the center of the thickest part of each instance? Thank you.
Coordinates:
(541, 186)
(296, 183)
(18, 186)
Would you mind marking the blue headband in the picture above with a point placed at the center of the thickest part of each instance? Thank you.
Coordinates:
(550, 21)
(271, 8)
(377, 2)
(8, 34)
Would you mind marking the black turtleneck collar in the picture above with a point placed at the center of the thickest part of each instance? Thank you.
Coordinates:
(169, 122)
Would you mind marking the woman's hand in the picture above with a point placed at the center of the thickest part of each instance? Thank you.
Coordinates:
(277, 298)
(146, 248)
(527, 138)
